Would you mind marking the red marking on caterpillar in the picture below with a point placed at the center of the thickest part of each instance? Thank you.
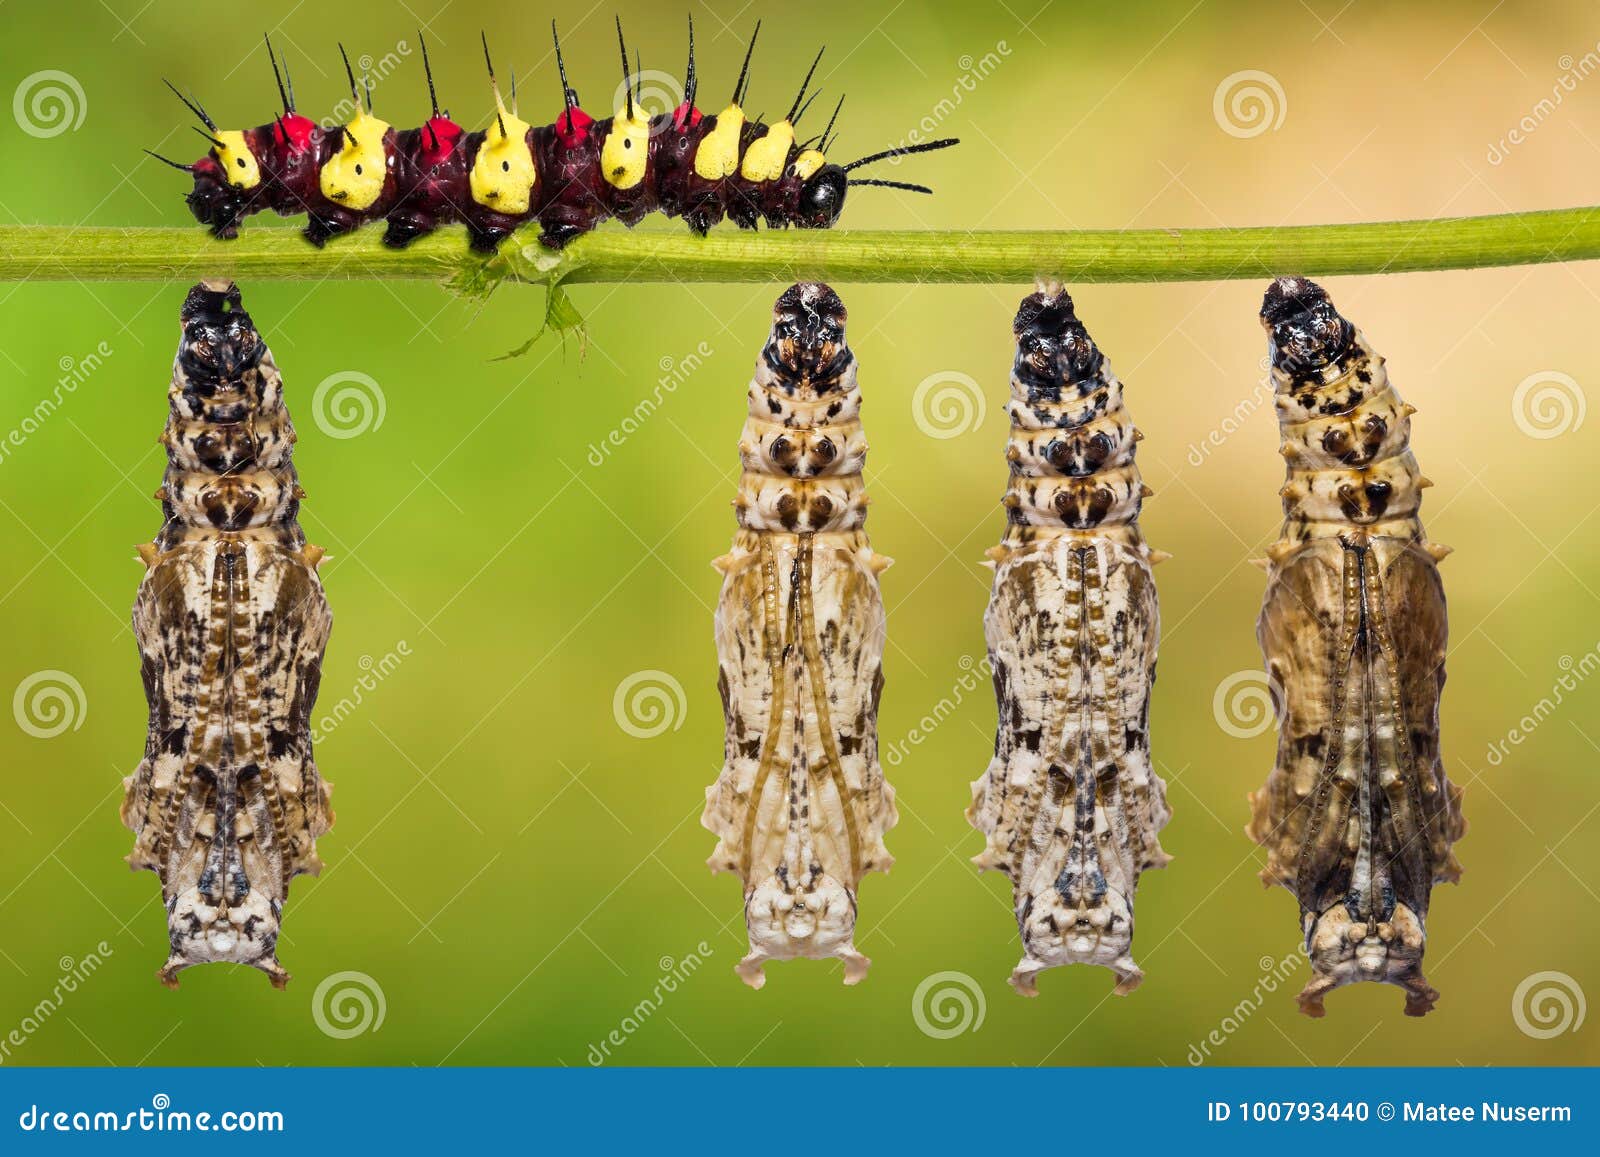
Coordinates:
(568, 176)
(293, 132)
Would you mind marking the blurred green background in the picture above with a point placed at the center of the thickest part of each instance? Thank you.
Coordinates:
(517, 862)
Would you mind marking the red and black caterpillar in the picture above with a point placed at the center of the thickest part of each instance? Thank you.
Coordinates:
(569, 175)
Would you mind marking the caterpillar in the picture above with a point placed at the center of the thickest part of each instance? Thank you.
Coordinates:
(1358, 817)
(569, 175)
(801, 806)
(231, 622)
(1070, 804)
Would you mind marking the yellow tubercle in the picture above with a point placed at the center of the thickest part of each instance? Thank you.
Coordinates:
(237, 161)
(626, 151)
(503, 173)
(765, 158)
(353, 177)
(718, 155)
(807, 164)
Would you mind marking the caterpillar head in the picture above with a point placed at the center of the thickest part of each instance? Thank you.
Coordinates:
(822, 195)
(214, 201)
(807, 331)
(220, 341)
(1053, 347)
(224, 180)
(1345, 949)
(354, 177)
(1304, 330)
(224, 177)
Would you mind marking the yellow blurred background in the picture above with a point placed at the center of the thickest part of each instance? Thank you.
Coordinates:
(519, 548)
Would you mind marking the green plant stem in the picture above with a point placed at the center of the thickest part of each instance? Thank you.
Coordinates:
(56, 253)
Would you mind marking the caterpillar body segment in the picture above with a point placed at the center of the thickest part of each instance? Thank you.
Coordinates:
(801, 806)
(1070, 804)
(231, 623)
(569, 175)
(1358, 817)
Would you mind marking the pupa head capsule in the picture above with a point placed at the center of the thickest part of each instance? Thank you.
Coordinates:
(808, 323)
(219, 340)
(1306, 332)
(1053, 347)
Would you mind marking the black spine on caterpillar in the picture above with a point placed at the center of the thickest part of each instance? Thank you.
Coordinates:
(569, 176)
